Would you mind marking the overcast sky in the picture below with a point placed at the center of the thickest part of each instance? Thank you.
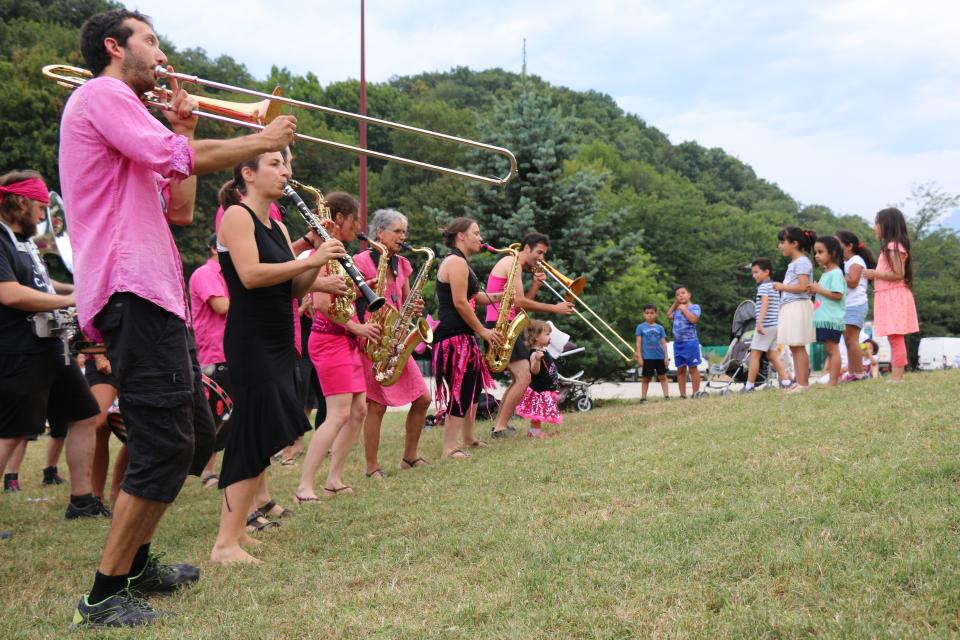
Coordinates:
(845, 103)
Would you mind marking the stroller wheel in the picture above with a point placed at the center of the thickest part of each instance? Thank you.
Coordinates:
(723, 392)
(700, 394)
(584, 403)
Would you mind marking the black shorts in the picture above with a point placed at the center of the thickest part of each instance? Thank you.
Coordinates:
(94, 377)
(829, 335)
(653, 368)
(520, 351)
(149, 354)
(37, 387)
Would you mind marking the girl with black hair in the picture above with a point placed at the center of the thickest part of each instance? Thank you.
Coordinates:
(830, 291)
(894, 310)
(795, 325)
(857, 258)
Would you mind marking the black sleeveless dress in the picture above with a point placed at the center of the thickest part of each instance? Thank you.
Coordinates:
(262, 360)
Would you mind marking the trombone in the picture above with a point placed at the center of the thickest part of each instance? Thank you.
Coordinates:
(257, 115)
(573, 290)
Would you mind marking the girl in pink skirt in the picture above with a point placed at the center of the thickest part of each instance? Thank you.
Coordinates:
(539, 403)
(894, 311)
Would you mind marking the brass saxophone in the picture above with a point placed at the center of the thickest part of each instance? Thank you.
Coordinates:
(498, 357)
(376, 350)
(405, 333)
(341, 307)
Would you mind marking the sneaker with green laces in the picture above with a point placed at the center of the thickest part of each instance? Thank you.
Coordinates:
(119, 610)
(158, 577)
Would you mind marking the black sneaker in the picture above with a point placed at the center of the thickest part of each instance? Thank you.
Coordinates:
(94, 509)
(120, 610)
(50, 476)
(157, 577)
(11, 482)
(4, 535)
(505, 433)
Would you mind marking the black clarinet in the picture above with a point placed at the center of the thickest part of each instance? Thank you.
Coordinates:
(374, 301)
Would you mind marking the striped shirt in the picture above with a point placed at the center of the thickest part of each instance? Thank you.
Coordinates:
(773, 303)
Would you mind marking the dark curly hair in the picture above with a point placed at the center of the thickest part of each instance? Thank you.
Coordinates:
(101, 26)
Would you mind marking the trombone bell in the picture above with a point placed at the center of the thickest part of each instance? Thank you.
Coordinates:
(574, 287)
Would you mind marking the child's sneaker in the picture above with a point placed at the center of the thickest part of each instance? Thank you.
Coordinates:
(537, 433)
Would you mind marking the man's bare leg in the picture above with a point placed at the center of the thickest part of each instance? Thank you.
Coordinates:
(519, 381)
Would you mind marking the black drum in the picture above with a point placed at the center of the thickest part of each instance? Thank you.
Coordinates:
(220, 405)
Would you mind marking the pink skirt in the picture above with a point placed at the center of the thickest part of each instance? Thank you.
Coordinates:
(338, 363)
(894, 312)
(539, 405)
(408, 388)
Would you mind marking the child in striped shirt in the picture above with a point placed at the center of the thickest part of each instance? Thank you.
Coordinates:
(767, 304)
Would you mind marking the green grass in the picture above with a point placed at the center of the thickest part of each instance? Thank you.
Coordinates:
(827, 514)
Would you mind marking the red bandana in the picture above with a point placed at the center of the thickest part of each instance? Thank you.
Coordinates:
(33, 188)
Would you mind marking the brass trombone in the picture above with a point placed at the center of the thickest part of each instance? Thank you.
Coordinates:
(257, 115)
(573, 290)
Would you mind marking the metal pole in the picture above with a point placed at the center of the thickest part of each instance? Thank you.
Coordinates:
(363, 125)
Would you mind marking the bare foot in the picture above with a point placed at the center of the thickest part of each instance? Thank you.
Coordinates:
(247, 541)
(229, 555)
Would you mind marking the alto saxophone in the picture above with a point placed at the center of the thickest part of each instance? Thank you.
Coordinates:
(405, 333)
(341, 307)
(376, 350)
(498, 357)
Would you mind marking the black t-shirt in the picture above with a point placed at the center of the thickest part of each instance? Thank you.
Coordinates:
(16, 336)
(548, 377)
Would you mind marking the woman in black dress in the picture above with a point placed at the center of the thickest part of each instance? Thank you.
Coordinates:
(262, 276)
(461, 372)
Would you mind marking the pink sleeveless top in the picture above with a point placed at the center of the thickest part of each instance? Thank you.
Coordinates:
(495, 285)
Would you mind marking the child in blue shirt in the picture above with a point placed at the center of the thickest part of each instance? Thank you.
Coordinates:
(686, 344)
(652, 351)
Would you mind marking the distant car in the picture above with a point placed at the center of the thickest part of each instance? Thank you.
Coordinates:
(633, 373)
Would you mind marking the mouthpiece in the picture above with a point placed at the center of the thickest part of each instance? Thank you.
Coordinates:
(488, 247)
(362, 236)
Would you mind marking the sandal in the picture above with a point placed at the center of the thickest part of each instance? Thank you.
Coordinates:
(210, 482)
(332, 493)
(300, 500)
(453, 454)
(256, 523)
(288, 462)
(412, 464)
(478, 444)
(378, 473)
(273, 509)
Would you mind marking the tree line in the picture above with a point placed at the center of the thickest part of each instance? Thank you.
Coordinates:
(623, 205)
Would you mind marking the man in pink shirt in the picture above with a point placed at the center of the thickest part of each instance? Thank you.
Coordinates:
(114, 157)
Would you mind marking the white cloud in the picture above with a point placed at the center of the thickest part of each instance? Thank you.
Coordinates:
(841, 102)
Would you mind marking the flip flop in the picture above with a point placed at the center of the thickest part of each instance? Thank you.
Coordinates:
(412, 464)
(256, 523)
(453, 454)
(206, 481)
(378, 473)
(269, 508)
(300, 500)
(332, 493)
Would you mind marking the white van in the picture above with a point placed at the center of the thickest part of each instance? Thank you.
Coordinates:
(939, 353)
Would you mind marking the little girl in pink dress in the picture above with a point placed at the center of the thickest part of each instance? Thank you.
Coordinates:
(894, 310)
(539, 403)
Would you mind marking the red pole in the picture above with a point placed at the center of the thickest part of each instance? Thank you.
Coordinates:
(363, 125)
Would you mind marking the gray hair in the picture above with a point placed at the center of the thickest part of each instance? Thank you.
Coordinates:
(383, 218)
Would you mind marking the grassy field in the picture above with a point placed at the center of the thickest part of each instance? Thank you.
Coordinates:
(832, 513)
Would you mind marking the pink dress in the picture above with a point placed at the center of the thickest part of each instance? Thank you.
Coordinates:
(411, 385)
(894, 311)
(336, 356)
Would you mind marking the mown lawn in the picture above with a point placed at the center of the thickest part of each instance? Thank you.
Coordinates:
(825, 514)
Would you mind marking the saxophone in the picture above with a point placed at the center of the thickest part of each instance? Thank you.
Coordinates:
(405, 333)
(385, 316)
(498, 357)
(341, 307)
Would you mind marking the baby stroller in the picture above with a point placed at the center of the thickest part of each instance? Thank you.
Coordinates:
(572, 392)
(735, 365)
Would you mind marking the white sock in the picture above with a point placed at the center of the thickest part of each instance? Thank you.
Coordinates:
(786, 383)
(748, 386)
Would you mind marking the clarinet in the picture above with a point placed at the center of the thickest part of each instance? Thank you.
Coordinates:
(374, 301)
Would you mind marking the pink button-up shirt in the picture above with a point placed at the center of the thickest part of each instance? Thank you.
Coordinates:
(205, 283)
(114, 157)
